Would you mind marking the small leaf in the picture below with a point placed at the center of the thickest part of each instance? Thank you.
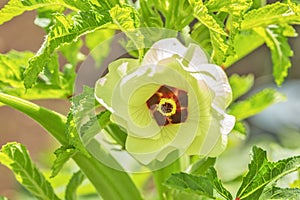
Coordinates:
(51, 83)
(255, 104)
(74, 137)
(281, 193)
(240, 84)
(275, 13)
(117, 133)
(127, 20)
(72, 52)
(176, 13)
(216, 30)
(241, 128)
(149, 14)
(263, 172)
(280, 50)
(65, 31)
(235, 9)
(3, 198)
(190, 183)
(201, 166)
(63, 154)
(205, 185)
(80, 118)
(16, 157)
(16, 7)
(244, 43)
(73, 184)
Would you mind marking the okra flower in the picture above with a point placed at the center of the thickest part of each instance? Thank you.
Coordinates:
(172, 101)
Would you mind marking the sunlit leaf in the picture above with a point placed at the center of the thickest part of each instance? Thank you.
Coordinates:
(241, 128)
(280, 51)
(16, 7)
(216, 29)
(235, 9)
(201, 166)
(276, 13)
(205, 185)
(63, 154)
(65, 31)
(244, 43)
(275, 193)
(262, 172)
(240, 84)
(127, 20)
(73, 185)
(255, 104)
(16, 157)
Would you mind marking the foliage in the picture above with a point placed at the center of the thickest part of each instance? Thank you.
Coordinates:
(227, 30)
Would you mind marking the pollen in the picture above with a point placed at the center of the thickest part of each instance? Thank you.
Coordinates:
(168, 105)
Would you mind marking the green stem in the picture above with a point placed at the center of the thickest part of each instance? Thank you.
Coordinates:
(161, 175)
(110, 183)
(53, 122)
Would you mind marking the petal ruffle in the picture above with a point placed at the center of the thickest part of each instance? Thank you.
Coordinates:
(105, 86)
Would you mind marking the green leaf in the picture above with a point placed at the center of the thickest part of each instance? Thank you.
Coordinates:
(63, 154)
(127, 20)
(16, 157)
(110, 183)
(280, 50)
(74, 137)
(273, 193)
(176, 13)
(235, 9)
(241, 128)
(263, 172)
(51, 84)
(83, 123)
(149, 14)
(72, 52)
(202, 14)
(276, 13)
(200, 167)
(258, 3)
(203, 185)
(255, 104)
(16, 7)
(216, 30)
(240, 84)
(106, 4)
(73, 184)
(65, 31)
(3, 198)
(117, 133)
(244, 43)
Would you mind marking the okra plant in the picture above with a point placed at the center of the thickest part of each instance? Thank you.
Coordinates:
(158, 109)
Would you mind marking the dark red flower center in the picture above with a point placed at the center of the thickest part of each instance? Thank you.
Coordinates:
(168, 105)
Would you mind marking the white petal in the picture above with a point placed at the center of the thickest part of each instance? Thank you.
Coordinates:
(195, 55)
(216, 138)
(163, 49)
(217, 81)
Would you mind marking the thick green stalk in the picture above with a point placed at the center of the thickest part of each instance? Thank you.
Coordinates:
(53, 122)
(161, 175)
(110, 183)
